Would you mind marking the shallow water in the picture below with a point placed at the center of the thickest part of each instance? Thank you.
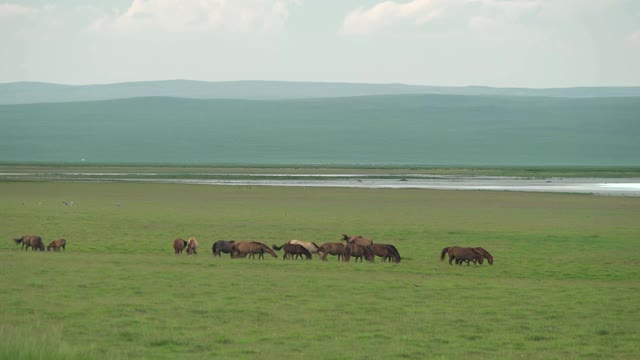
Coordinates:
(599, 186)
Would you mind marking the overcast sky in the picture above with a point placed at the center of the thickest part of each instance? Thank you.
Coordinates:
(509, 43)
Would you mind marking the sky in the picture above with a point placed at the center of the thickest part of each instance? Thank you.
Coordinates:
(502, 43)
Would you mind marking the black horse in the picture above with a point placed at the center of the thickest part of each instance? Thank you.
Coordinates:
(222, 246)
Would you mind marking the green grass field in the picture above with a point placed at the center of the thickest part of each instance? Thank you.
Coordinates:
(564, 283)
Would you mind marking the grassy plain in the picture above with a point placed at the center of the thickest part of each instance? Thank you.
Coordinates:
(564, 283)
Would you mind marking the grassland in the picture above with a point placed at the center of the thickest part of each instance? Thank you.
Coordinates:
(564, 284)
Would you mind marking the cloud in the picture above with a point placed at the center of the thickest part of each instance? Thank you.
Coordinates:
(12, 10)
(201, 15)
(480, 13)
(635, 37)
(365, 21)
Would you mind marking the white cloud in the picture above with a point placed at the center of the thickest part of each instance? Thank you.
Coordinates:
(364, 21)
(482, 23)
(11, 10)
(190, 16)
(635, 37)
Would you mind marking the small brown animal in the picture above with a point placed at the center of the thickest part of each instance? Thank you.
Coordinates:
(179, 244)
(57, 244)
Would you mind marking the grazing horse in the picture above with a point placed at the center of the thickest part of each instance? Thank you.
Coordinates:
(333, 248)
(358, 251)
(179, 244)
(293, 249)
(192, 246)
(485, 254)
(357, 240)
(461, 253)
(34, 241)
(57, 244)
(243, 248)
(222, 246)
(312, 247)
(386, 252)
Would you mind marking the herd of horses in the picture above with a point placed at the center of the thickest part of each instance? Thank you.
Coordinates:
(35, 243)
(357, 247)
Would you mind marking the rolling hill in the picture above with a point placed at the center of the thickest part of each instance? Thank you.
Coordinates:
(34, 92)
(368, 130)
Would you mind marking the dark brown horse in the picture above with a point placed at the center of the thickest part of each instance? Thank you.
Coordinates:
(179, 244)
(34, 241)
(461, 253)
(357, 251)
(386, 252)
(332, 248)
(357, 240)
(57, 244)
(192, 246)
(222, 246)
(293, 250)
(241, 249)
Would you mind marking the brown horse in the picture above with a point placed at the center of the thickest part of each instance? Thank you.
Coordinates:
(221, 246)
(179, 244)
(34, 241)
(358, 251)
(57, 244)
(243, 248)
(462, 254)
(357, 240)
(312, 247)
(291, 250)
(192, 246)
(485, 254)
(332, 248)
(386, 252)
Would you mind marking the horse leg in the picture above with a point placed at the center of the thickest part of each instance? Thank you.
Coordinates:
(451, 258)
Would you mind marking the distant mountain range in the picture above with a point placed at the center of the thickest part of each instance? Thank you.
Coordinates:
(417, 129)
(36, 92)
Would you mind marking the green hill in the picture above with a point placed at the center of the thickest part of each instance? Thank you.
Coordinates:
(372, 130)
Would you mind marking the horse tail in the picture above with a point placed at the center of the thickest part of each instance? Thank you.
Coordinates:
(444, 252)
(276, 247)
(18, 241)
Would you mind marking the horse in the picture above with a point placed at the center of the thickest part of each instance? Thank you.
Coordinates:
(34, 241)
(192, 246)
(57, 244)
(221, 246)
(179, 244)
(244, 248)
(333, 248)
(386, 252)
(357, 240)
(358, 251)
(462, 254)
(485, 254)
(312, 247)
(293, 249)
